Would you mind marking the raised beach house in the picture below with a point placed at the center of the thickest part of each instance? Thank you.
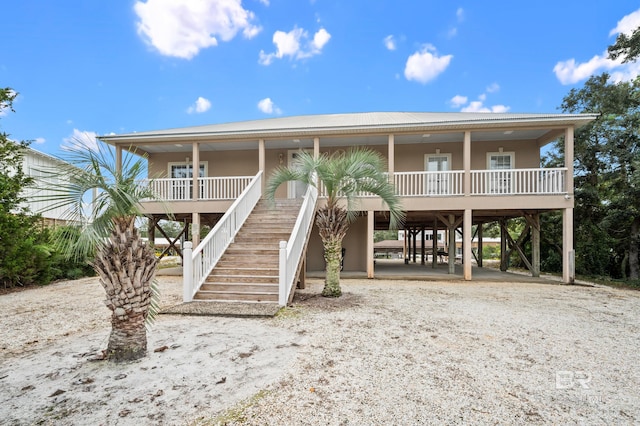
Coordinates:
(453, 171)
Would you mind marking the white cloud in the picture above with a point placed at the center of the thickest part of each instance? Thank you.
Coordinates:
(460, 14)
(627, 24)
(80, 140)
(426, 65)
(493, 87)
(265, 2)
(458, 101)
(39, 141)
(181, 28)
(478, 105)
(267, 106)
(201, 105)
(390, 42)
(570, 71)
(291, 44)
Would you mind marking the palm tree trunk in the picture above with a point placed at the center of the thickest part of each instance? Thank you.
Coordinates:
(126, 266)
(332, 224)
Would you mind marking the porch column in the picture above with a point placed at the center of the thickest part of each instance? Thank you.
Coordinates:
(568, 254)
(370, 226)
(466, 243)
(467, 163)
(316, 147)
(503, 245)
(535, 245)
(404, 248)
(195, 169)
(480, 227)
(391, 155)
(434, 244)
(195, 229)
(118, 158)
(452, 244)
(261, 162)
(422, 236)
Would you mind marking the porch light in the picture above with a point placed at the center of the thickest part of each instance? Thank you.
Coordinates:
(296, 140)
(426, 135)
(508, 132)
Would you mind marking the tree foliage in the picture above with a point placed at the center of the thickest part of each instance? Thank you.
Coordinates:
(607, 180)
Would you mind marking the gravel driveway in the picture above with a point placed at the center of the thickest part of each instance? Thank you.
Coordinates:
(387, 352)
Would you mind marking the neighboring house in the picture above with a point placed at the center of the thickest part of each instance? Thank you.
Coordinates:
(41, 167)
(451, 171)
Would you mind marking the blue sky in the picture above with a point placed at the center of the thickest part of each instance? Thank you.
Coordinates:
(102, 67)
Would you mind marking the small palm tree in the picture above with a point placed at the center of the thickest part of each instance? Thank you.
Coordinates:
(124, 262)
(344, 175)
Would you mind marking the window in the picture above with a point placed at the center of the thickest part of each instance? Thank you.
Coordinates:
(183, 189)
(437, 183)
(501, 164)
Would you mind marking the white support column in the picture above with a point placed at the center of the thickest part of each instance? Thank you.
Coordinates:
(195, 228)
(187, 272)
(467, 163)
(568, 253)
(195, 169)
(118, 158)
(466, 243)
(452, 244)
(282, 276)
(370, 226)
(316, 147)
(392, 158)
(261, 161)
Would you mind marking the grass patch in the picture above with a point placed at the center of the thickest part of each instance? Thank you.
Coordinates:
(288, 312)
(235, 414)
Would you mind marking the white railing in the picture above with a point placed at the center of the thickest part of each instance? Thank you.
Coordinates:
(211, 188)
(223, 188)
(199, 264)
(519, 181)
(424, 184)
(291, 252)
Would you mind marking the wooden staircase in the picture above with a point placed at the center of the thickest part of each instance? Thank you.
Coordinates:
(248, 269)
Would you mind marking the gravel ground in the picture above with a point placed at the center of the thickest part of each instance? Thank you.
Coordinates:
(459, 353)
(387, 352)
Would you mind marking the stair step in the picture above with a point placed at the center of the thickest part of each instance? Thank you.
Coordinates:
(240, 288)
(245, 270)
(241, 279)
(235, 296)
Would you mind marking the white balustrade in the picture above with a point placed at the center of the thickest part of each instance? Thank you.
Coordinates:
(425, 184)
(291, 252)
(209, 251)
(519, 182)
(211, 188)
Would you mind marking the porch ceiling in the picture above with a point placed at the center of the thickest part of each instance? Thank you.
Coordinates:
(345, 141)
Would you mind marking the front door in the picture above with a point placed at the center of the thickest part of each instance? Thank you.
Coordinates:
(437, 183)
(296, 189)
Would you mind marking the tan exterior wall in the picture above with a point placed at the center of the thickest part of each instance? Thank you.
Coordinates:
(355, 242)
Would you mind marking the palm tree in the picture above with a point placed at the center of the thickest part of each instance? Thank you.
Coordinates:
(344, 175)
(124, 262)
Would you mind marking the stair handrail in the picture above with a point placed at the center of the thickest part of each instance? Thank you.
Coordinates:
(291, 252)
(205, 257)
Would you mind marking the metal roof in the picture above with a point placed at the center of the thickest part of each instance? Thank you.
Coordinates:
(353, 123)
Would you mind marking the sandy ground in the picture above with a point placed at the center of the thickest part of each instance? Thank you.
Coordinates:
(387, 352)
